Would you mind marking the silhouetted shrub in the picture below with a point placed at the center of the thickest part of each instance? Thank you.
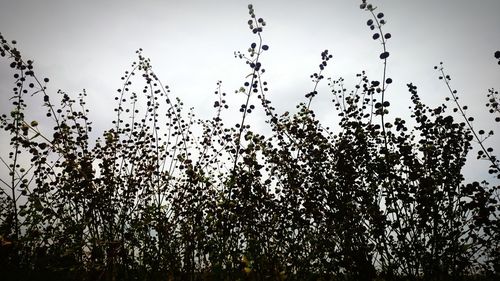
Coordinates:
(152, 200)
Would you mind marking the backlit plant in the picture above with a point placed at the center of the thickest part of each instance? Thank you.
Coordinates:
(164, 195)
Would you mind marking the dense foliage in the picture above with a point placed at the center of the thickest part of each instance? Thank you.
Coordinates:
(156, 199)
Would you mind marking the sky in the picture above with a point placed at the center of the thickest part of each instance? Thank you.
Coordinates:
(191, 43)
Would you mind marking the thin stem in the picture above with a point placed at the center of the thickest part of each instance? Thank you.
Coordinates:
(491, 158)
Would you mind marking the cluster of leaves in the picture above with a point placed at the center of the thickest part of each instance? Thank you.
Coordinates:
(153, 200)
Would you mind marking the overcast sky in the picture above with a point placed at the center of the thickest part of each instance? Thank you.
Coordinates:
(88, 44)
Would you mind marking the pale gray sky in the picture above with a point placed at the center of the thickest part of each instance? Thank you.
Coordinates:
(88, 44)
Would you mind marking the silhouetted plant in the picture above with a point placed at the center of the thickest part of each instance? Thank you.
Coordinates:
(151, 199)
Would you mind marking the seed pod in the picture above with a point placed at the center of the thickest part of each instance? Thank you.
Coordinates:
(384, 55)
